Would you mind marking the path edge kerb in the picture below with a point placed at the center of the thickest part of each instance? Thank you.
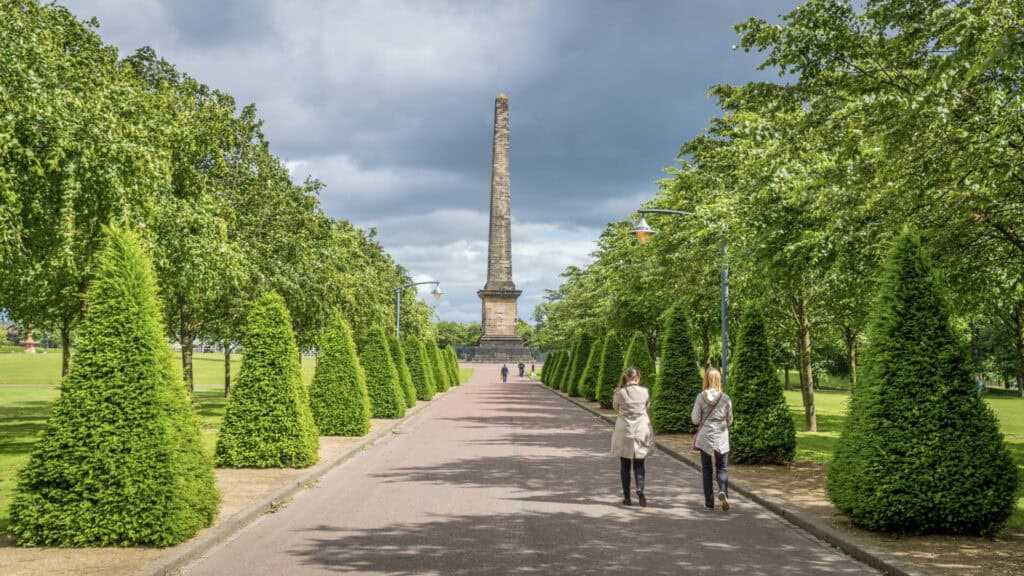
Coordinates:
(868, 555)
(191, 550)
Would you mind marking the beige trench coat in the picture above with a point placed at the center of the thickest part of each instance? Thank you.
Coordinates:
(633, 436)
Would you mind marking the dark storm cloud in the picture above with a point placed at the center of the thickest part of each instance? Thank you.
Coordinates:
(391, 104)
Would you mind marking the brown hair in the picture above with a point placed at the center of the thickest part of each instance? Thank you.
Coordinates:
(712, 379)
(631, 373)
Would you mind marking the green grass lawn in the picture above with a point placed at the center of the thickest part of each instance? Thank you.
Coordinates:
(831, 412)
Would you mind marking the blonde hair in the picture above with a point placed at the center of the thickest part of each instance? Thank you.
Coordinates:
(712, 379)
(628, 376)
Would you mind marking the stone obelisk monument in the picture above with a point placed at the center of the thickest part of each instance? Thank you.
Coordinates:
(499, 295)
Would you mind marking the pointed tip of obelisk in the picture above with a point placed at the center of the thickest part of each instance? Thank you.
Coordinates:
(502, 96)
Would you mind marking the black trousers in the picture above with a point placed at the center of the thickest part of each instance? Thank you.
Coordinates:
(721, 469)
(637, 464)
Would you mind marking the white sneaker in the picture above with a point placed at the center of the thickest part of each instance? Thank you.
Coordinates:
(724, 500)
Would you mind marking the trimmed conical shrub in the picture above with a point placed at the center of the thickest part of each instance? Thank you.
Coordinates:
(639, 356)
(404, 375)
(387, 400)
(565, 378)
(548, 367)
(763, 431)
(120, 462)
(338, 396)
(679, 379)
(452, 362)
(582, 355)
(920, 451)
(268, 422)
(588, 382)
(441, 380)
(419, 368)
(610, 369)
(560, 367)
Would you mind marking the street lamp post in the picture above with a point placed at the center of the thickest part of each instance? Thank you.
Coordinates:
(643, 233)
(398, 301)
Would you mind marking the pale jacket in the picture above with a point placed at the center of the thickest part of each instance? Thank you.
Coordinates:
(633, 436)
(714, 434)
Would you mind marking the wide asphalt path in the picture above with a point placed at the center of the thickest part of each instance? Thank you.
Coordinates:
(511, 479)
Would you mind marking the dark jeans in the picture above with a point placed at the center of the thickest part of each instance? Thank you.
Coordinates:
(721, 465)
(638, 470)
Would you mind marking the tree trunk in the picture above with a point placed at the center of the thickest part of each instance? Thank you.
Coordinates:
(227, 367)
(65, 348)
(185, 337)
(804, 354)
(786, 369)
(850, 338)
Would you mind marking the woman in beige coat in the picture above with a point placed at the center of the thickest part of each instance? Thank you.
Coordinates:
(633, 436)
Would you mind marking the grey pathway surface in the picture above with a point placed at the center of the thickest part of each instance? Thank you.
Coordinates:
(511, 479)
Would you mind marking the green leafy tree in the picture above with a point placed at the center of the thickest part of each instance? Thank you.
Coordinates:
(679, 379)
(610, 369)
(268, 422)
(78, 152)
(419, 368)
(441, 379)
(763, 431)
(387, 400)
(121, 460)
(580, 365)
(338, 396)
(588, 381)
(920, 450)
(638, 356)
(404, 375)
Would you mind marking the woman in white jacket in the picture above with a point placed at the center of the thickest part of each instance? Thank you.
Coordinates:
(712, 412)
(633, 436)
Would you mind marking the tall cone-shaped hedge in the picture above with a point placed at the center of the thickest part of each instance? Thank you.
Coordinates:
(441, 379)
(920, 451)
(582, 355)
(419, 368)
(452, 363)
(679, 379)
(548, 367)
(563, 365)
(610, 369)
(268, 422)
(120, 461)
(387, 400)
(588, 382)
(402, 366)
(763, 431)
(338, 396)
(638, 356)
(556, 366)
(565, 378)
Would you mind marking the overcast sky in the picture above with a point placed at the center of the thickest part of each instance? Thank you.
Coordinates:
(391, 104)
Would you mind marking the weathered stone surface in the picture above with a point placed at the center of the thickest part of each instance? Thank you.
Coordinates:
(499, 295)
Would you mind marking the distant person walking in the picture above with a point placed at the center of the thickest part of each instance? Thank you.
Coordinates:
(633, 437)
(712, 413)
(504, 373)
(522, 369)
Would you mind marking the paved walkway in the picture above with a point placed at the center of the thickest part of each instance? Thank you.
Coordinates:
(512, 479)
